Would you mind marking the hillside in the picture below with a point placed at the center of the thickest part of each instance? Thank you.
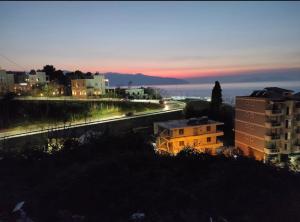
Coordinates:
(110, 178)
(118, 79)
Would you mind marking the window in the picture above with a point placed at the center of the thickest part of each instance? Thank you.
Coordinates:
(181, 143)
(286, 136)
(208, 139)
(287, 110)
(286, 124)
(208, 128)
(285, 146)
(195, 131)
(181, 131)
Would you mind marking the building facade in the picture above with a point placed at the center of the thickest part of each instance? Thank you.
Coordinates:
(6, 82)
(92, 86)
(267, 124)
(199, 133)
(36, 78)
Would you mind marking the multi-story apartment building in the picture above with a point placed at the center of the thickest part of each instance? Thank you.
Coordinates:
(199, 133)
(90, 86)
(6, 82)
(267, 124)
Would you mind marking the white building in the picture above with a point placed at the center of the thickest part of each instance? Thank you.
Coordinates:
(93, 86)
(6, 82)
(135, 92)
(37, 77)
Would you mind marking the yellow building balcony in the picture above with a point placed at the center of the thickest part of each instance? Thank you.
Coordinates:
(274, 112)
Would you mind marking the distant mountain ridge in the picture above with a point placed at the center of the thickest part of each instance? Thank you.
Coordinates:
(119, 79)
(262, 76)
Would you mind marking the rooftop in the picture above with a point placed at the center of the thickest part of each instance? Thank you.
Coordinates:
(187, 122)
(272, 93)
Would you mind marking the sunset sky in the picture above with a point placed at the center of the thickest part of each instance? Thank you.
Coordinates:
(174, 39)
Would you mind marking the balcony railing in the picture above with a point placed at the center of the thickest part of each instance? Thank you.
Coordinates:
(272, 136)
(296, 148)
(271, 150)
(273, 111)
(270, 124)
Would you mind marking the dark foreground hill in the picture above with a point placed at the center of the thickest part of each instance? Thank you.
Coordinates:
(109, 179)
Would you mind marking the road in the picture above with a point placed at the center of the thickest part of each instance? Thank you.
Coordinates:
(170, 106)
(70, 98)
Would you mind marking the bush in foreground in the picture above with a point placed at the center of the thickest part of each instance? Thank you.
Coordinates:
(110, 178)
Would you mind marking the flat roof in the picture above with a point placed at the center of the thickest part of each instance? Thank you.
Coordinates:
(172, 124)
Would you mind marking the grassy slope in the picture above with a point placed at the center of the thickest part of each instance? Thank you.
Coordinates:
(32, 114)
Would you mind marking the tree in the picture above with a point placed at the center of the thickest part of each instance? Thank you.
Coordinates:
(48, 90)
(60, 77)
(32, 72)
(49, 70)
(216, 98)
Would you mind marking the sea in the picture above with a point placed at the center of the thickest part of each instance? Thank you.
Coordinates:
(229, 90)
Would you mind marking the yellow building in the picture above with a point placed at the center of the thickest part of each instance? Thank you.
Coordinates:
(199, 133)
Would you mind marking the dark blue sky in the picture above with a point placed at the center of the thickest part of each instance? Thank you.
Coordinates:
(160, 38)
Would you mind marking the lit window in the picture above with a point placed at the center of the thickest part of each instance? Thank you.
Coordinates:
(208, 128)
(181, 143)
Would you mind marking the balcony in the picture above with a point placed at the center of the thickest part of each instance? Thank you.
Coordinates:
(273, 112)
(298, 107)
(273, 124)
(297, 120)
(273, 136)
(271, 148)
(271, 151)
(296, 148)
